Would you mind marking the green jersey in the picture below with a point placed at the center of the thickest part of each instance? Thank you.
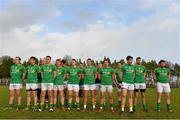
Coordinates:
(128, 73)
(32, 73)
(162, 75)
(73, 73)
(16, 72)
(60, 73)
(139, 74)
(106, 75)
(117, 72)
(47, 73)
(89, 75)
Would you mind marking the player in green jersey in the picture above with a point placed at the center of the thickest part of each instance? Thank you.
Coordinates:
(119, 82)
(47, 73)
(128, 74)
(89, 76)
(74, 75)
(17, 75)
(162, 77)
(32, 71)
(59, 84)
(106, 75)
(140, 84)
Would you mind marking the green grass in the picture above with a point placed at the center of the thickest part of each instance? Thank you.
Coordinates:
(106, 114)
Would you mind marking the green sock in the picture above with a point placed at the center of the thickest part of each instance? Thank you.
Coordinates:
(54, 105)
(78, 105)
(144, 107)
(168, 107)
(62, 105)
(42, 107)
(135, 107)
(66, 102)
(19, 106)
(69, 105)
(158, 106)
(119, 102)
(50, 106)
(111, 106)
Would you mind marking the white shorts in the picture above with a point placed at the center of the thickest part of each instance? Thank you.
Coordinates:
(98, 86)
(31, 86)
(58, 87)
(74, 87)
(89, 87)
(107, 88)
(65, 84)
(15, 86)
(127, 86)
(139, 86)
(163, 88)
(46, 86)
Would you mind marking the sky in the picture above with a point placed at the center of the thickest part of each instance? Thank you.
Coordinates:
(91, 28)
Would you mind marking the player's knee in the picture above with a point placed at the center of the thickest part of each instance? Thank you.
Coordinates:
(168, 96)
(143, 95)
(123, 95)
(110, 97)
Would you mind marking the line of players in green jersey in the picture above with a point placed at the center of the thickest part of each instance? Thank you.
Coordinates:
(64, 83)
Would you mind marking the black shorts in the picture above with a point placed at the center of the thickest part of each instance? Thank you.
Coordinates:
(141, 90)
(31, 90)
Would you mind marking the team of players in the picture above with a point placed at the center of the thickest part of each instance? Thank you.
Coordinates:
(59, 78)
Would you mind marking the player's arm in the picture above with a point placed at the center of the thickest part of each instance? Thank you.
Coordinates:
(99, 75)
(154, 76)
(24, 74)
(82, 74)
(55, 73)
(169, 76)
(120, 75)
(41, 71)
(113, 74)
(95, 73)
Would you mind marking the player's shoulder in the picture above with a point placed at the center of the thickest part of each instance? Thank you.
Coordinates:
(22, 66)
(156, 69)
(52, 65)
(124, 65)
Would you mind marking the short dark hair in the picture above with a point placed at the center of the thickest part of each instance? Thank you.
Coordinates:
(129, 57)
(32, 57)
(106, 60)
(74, 60)
(89, 59)
(48, 57)
(138, 58)
(18, 58)
(161, 61)
(58, 60)
(63, 61)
